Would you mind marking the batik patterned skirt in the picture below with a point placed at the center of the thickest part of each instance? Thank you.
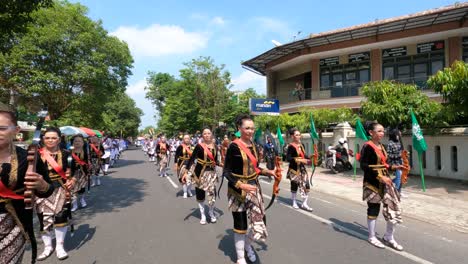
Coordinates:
(51, 206)
(207, 182)
(301, 179)
(12, 240)
(254, 206)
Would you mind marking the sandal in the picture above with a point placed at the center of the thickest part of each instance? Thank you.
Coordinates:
(393, 244)
(376, 243)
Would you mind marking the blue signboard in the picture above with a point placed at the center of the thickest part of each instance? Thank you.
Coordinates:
(264, 106)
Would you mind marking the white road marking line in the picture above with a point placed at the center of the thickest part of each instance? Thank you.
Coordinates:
(353, 233)
(172, 182)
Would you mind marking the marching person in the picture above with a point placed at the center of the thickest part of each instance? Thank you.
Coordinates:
(182, 155)
(16, 222)
(244, 191)
(105, 159)
(96, 162)
(150, 149)
(378, 188)
(162, 151)
(54, 211)
(297, 173)
(80, 156)
(204, 175)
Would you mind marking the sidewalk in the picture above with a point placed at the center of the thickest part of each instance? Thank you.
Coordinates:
(445, 202)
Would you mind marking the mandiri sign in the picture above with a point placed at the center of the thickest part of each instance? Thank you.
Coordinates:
(264, 106)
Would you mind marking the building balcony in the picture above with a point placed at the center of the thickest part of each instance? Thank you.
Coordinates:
(348, 95)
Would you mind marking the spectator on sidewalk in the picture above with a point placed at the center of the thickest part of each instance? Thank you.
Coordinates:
(394, 155)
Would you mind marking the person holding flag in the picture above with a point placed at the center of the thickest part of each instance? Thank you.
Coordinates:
(378, 188)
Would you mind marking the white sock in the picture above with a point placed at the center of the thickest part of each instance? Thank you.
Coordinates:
(106, 167)
(47, 239)
(184, 187)
(390, 231)
(305, 200)
(189, 189)
(293, 197)
(371, 226)
(239, 241)
(201, 206)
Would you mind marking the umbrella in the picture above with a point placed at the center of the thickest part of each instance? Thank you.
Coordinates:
(98, 134)
(71, 131)
(88, 131)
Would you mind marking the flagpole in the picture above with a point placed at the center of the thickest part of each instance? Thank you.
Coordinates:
(355, 157)
(421, 171)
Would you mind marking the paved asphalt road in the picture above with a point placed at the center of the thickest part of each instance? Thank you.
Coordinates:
(138, 217)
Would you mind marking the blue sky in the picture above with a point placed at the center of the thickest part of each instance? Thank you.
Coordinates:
(162, 35)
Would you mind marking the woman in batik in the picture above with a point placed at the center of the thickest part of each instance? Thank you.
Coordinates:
(182, 155)
(244, 191)
(80, 157)
(55, 211)
(16, 222)
(162, 150)
(378, 188)
(297, 173)
(203, 174)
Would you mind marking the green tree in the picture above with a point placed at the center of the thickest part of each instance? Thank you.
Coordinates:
(238, 104)
(121, 116)
(389, 103)
(452, 83)
(65, 61)
(14, 17)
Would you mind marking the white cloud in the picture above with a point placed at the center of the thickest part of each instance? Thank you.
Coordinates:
(159, 40)
(218, 21)
(267, 25)
(248, 79)
(136, 88)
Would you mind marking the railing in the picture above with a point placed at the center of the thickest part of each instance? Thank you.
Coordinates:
(345, 90)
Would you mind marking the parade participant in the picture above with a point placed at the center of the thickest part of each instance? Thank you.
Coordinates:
(162, 150)
(16, 222)
(297, 172)
(151, 149)
(378, 187)
(145, 146)
(54, 211)
(224, 147)
(105, 159)
(96, 152)
(81, 173)
(244, 191)
(182, 155)
(270, 153)
(204, 175)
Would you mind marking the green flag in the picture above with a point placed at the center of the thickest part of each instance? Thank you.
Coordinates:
(237, 134)
(257, 135)
(280, 137)
(360, 131)
(419, 143)
(313, 132)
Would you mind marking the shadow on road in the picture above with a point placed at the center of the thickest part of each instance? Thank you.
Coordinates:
(112, 195)
(83, 234)
(356, 227)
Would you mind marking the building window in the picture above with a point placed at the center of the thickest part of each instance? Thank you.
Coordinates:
(414, 68)
(438, 161)
(454, 158)
(345, 79)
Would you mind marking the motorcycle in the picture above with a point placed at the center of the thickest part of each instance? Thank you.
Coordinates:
(341, 161)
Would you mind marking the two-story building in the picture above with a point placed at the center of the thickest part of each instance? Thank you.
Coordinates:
(328, 69)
